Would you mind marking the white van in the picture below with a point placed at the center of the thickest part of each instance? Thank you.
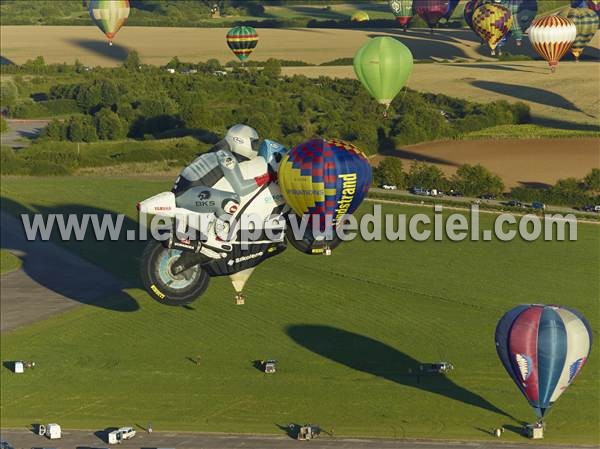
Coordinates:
(123, 433)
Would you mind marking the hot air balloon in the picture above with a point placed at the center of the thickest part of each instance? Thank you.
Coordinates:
(470, 8)
(383, 66)
(543, 349)
(492, 22)
(586, 23)
(552, 37)
(523, 12)
(109, 15)
(452, 4)
(325, 179)
(242, 40)
(403, 11)
(360, 16)
(594, 5)
(431, 11)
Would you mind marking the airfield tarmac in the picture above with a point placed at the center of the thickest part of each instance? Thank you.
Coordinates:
(82, 439)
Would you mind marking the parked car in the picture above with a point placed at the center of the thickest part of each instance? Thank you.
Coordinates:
(123, 433)
(591, 208)
(389, 187)
(418, 191)
(538, 206)
(488, 196)
(514, 203)
(455, 193)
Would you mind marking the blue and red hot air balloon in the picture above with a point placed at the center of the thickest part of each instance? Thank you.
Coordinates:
(543, 349)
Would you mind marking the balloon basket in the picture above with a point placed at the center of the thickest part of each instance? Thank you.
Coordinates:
(240, 299)
(534, 431)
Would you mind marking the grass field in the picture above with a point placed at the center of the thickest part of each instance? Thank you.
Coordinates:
(349, 332)
(8, 262)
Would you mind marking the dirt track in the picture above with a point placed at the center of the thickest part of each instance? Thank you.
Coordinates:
(518, 162)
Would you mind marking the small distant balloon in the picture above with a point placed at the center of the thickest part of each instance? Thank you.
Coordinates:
(431, 11)
(242, 40)
(109, 15)
(492, 22)
(403, 11)
(586, 23)
(360, 16)
(552, 37)
(383, 65)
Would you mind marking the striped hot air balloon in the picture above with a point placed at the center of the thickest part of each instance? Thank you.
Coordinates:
(109, 15)
(552, 37)
(543, 349)
(594, 5)
(492, 22)
(242, 40)
(586, 23)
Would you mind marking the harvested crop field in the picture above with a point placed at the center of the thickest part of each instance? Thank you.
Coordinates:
(531, 162)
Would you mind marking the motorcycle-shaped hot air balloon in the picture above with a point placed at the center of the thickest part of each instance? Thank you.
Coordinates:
(492, 22)
(242, 40)
(175, 270)
(431, 11)
(552, 37)
(383, 66)
(543, 349)
(403, 11)
(586, 23)
(109, 15)
(323, 181)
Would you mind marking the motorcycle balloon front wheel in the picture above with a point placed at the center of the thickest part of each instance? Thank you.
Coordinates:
(164, 286)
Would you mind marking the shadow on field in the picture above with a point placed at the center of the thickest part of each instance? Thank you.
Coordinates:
(427, 47)
(373, 357)
(386, 147)
(527, 93)
(563, 124)
(499, 66)
(52, 266)
(115, 52)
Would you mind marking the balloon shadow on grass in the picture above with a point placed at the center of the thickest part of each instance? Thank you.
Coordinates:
(101, 47)
(75, 269)
(370, 356)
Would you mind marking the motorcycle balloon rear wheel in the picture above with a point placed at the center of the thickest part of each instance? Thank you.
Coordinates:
(162, 285)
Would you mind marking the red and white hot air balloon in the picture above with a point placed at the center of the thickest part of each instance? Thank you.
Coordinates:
(552, 37)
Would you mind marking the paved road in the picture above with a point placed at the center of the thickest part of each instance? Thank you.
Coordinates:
(20, 132)
(87, 439)
(51, 280)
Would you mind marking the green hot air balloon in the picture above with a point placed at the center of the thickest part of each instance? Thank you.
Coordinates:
(586, 22)
(383, 66)
(109, 15)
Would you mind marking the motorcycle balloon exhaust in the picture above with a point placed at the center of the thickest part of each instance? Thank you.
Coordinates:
(238, 280)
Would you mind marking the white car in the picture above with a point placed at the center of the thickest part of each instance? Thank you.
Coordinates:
(389, 187)
(123, 433)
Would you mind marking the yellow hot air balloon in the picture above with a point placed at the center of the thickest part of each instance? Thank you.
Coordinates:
(492, 22)
(360, 16)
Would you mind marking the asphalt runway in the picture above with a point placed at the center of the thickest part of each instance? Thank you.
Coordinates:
(81, 439)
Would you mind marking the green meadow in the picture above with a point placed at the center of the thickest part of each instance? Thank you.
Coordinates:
(349, 331)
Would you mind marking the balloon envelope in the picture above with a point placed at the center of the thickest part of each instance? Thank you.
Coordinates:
(594, 5)
(326, 178)
(523, 12)
(431, 11)
(403, 10)
(452, 4)
(492, 22)
(543, 348)
(383, 66)
(552, 37)
(586, 23)
(109, 15)
(360, 16)
(242, 40)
